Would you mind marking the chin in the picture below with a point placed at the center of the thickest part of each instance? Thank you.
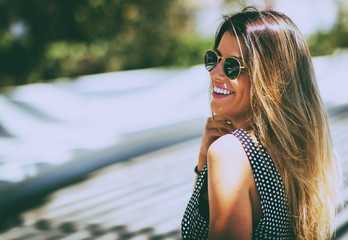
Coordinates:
(221, 110)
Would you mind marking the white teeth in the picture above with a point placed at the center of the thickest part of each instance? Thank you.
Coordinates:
(222, 91)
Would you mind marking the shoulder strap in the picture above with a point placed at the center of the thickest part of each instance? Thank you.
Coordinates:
(265, 173)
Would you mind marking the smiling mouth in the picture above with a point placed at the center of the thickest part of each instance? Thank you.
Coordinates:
(222, 91)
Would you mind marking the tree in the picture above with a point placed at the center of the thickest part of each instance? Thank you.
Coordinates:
(42, 39)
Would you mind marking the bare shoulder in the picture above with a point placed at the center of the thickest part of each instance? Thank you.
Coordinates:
(227, 160)
(229, 183)
(227, 150)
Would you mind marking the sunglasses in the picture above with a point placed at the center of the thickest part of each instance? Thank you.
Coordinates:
(231, 65)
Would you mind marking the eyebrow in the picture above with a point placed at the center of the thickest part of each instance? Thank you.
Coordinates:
(219, 53)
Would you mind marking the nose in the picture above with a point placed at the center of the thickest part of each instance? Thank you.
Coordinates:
(218, 74)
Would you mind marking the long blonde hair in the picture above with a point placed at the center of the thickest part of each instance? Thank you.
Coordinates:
(289, 116)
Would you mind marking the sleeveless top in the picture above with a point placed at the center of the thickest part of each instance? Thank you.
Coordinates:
(275, 220)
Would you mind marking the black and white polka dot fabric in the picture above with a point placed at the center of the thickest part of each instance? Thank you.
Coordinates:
(275, 221)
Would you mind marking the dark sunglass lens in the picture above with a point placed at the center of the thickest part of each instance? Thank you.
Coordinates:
(210, 60)
(232, 68)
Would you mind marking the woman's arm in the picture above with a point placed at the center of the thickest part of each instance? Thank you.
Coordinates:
(229, 180)
(212, 131)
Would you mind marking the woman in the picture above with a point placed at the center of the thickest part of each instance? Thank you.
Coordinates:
(274, 176)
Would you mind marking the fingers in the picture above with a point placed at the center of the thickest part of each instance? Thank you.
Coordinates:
(219, 126)
(214, 128)
(223, 119)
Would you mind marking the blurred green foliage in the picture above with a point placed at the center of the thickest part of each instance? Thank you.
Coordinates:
(42, 39)
(325, 43)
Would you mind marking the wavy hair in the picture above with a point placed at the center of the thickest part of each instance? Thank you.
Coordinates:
(289, 116)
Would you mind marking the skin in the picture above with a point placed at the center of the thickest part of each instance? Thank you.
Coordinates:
(237, 105)
(234, 203)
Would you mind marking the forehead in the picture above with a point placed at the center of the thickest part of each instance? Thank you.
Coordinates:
(228, 45)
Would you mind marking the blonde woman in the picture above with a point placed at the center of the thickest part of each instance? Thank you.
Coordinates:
(274, 175)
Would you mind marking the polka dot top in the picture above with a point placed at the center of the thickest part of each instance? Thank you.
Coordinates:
(275, 221)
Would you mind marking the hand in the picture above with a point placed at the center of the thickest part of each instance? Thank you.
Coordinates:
(213, 130)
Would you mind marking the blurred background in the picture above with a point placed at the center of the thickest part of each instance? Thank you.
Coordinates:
(103, 103)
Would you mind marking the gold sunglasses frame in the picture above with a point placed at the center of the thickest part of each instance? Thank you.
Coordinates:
(219, 58)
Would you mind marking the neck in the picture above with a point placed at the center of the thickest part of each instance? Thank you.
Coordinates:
(242, 124)
(243, 121)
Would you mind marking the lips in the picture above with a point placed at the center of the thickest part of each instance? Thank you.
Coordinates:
(221, 92)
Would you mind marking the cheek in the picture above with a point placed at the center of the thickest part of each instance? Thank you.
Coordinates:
(245, 90)
(244, 86)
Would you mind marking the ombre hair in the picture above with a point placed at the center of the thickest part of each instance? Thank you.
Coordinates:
(289, 116)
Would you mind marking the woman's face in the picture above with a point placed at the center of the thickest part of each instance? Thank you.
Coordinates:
(236, 103)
